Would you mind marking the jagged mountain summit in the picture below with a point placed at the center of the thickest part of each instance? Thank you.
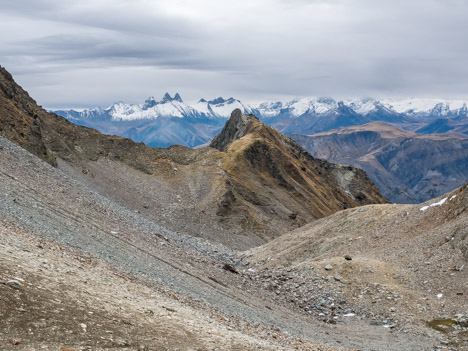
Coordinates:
(151, 109)
(160, 123)
(407, 167)
(171, 121)
(261, 185)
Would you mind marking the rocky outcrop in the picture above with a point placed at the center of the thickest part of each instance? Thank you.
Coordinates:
(235, 128)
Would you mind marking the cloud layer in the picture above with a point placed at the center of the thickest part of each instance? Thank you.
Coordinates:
(87, 53)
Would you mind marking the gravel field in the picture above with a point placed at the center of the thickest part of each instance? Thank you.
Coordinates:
(65, 207)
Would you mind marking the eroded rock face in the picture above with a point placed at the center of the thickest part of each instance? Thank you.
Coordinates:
(236, 127)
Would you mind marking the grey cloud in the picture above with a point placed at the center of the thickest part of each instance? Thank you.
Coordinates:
(240, 48)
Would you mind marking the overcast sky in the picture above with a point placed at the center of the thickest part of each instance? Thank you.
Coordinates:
(94, 52)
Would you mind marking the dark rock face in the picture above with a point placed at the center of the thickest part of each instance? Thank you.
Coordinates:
(235, 128)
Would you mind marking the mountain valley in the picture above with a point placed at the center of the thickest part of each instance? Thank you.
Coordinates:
(251, 243)
(407, 167)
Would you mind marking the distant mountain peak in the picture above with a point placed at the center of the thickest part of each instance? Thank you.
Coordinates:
(221, 100)
(149, 102)
(167, 98)
(177, 97)
(326, 100)
(216, 101)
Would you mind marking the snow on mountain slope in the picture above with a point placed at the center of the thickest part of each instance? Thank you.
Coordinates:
(427, 106)
(220, 108)
(173, 107)
(362, 107)
(167, 107)
(298, 107)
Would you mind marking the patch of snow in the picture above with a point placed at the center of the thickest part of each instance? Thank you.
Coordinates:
(439, 296)
(219, 108)
(453, 197)
(362, 107)
(270, 109)
(444, 107)
(440, 203)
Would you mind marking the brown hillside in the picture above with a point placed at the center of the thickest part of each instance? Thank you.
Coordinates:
(261, 186)
(402, 264)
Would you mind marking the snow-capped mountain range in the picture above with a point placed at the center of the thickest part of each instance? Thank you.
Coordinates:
(167, 107)
(171, 121)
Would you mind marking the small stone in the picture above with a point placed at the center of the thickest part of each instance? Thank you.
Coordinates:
(123, 342)
(328, 267)
(348, 258)
(338, 278)
(14, 341)
(230, 268)
(14, 284)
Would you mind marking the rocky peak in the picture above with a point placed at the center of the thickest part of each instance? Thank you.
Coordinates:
(177, 97)
(219, 100)
(168, 98)
(235, 128)
(150, 102)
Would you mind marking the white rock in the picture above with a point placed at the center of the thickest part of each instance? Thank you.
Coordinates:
(14, 284)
